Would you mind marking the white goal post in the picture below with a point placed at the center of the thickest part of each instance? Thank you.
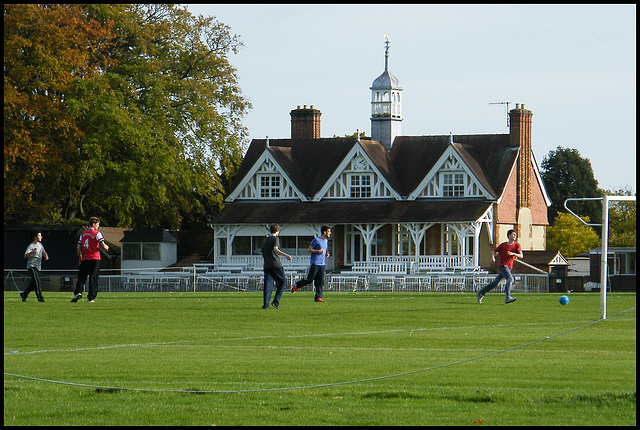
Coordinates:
(605, 242)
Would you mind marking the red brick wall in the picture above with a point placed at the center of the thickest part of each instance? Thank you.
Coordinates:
(520, 136)
(523, 189)
(538, 205)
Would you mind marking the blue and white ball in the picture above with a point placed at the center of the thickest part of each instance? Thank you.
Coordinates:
(564, 300)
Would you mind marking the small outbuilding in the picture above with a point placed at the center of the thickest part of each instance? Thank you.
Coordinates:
(621, 262)
(149, 249)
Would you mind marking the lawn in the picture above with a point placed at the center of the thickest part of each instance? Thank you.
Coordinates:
(358, 359)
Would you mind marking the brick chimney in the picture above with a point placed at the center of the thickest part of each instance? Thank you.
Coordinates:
(305, 123)
(520, 136)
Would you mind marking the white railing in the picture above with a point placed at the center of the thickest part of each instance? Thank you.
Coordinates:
(256, 261)
(392, 258)
(455, 261)
(462, 281)
(427, 261)
(392, 268)
(414, 263)
(241, 260)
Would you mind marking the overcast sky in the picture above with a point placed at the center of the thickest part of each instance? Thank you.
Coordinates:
(573, 66)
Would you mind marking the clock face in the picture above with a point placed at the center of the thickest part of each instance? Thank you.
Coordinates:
(359, 164)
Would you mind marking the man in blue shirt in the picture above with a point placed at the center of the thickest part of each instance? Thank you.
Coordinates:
(319, 254)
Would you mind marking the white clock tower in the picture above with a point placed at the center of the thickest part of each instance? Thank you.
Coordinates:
(386, 105)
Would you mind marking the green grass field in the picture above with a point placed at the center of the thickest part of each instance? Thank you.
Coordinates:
(357, 359)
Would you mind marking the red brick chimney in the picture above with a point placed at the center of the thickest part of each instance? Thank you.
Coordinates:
(305, 123)
(520, 136)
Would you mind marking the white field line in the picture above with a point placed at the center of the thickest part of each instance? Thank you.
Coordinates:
(186, 343)
(333, 384)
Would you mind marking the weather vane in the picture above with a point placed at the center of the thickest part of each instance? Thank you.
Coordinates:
(386, 53)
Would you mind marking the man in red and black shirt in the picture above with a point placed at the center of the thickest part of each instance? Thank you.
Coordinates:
(88, 250)
(508, 251)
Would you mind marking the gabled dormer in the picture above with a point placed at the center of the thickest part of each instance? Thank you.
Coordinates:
(266, 181)
(451, 177)
(357, 178)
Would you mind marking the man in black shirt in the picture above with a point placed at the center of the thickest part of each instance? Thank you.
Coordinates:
(273, 270)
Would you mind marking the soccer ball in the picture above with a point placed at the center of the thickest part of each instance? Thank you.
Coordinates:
(564, 300)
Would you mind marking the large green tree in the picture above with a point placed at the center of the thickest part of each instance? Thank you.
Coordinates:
(154, 115)
(571, 236)
(567, 174)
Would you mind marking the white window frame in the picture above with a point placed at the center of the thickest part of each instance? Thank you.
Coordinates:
(454, 184)
(141, 251)
(267, 186)
(357, 187)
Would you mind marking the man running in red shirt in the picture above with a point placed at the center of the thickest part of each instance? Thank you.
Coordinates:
(508, 251)
(89, 255)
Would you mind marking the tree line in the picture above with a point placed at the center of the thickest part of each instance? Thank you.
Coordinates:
(136, 111)
(566, 174)
(122, 109)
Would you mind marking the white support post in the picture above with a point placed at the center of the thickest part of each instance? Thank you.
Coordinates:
(368, 232)
(605, 243)
(418, 230)
(603, 258)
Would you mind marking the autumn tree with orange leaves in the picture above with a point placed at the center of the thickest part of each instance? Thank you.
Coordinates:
(46, 49)
(127, 112)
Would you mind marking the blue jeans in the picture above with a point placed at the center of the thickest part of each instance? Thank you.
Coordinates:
(315, 275)
(271, 276)
(503, 272)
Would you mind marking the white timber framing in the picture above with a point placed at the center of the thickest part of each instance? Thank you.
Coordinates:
(227, 232)
(356, 162)
(450, 161)
(249, 188)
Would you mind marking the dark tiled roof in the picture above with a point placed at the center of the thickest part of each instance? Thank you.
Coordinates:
(335, 212)
(383, 161)
(494, 156)
(309, 163)
(413, 157)
(113, 236)
(539, 257)
(148, 235)
(489, 157)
